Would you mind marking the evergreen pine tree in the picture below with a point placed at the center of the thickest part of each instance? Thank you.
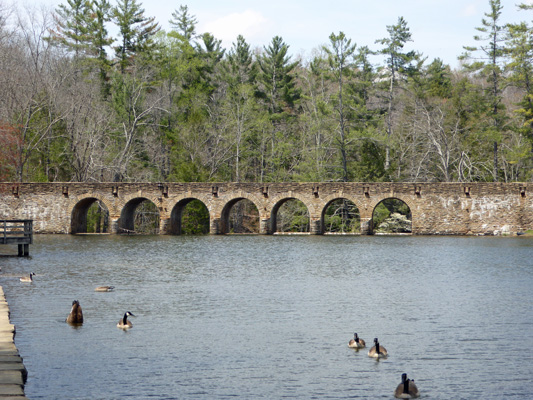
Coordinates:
(489, 66)
(73, 27)
(397, 63)
(136, 31)
(277, 77)
(184, 23)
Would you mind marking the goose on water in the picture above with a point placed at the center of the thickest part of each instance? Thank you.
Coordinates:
(104, 288)
(28, 278)
(377, 351)
(76, 314)
(407, 389)
(124, 323)
(356, 343)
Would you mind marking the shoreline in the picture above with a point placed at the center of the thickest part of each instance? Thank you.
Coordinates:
(13, 373)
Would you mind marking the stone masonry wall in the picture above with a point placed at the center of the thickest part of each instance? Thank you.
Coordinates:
(436, 208)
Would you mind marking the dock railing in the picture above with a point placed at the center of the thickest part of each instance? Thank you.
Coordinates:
(17, 231)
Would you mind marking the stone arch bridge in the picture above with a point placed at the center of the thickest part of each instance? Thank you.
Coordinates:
(436, 208)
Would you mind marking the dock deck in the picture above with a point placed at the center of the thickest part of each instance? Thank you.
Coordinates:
(19, 232)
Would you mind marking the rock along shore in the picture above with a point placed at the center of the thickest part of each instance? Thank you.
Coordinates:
(13, 374)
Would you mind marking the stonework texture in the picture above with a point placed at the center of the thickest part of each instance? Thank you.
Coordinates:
(436, 208)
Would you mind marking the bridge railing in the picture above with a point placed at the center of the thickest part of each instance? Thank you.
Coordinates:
(17, 231)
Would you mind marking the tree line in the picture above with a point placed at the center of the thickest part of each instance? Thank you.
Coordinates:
(147, 105)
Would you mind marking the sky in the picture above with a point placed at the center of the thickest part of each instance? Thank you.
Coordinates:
(439, 28)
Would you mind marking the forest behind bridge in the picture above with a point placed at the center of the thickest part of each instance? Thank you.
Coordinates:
(78, 104)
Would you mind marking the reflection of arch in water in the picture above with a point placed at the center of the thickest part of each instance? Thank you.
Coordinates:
(200, 212)
(129, 215)
(239, 215)
(80, 211)
(386, 207)
(302, 220)
(340, 215)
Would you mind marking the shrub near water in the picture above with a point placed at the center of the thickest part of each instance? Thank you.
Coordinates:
(392, 216)
(396, 223)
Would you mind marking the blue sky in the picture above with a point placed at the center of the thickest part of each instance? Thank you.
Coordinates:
(440, 28)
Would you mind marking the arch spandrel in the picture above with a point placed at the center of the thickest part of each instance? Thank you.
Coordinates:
(226, 200)
(279, 199)
(406, 199)
(372, 204)
(73, 202)
(173, 201)
(361, 205)
(134, 196)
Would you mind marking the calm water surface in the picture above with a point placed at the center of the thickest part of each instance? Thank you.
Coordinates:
(270, 317)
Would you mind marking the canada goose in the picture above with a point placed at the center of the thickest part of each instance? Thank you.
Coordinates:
(377, 351)
(124, 323)
(407, 389)
(356, 343)
(28, 278)
(76, 315)
(104, 288)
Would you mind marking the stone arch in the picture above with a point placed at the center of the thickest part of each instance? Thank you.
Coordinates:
(398, 198)
(289, 196)
(279, 201)
(406, 200)
(328, 199)
(332, 198)
(176, 214)
(78, 215)
(126, 222)
(226, 209)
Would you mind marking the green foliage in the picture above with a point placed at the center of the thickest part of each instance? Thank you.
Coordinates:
(278, 85)
(438, 80)
(184, 23)
(195, 219)
(369, 167)
(73, 26)
(386, 208)
(342, 216)
(136, 32)
(97, 218)
(177, 106)
(292, 216)
(397, 60)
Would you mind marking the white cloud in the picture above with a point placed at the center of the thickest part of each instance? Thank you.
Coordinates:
(249, 23)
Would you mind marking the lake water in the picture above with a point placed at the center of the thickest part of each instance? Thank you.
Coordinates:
(270, 317)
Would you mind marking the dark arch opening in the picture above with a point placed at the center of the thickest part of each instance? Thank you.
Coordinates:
(240, 216)
(392, 216)
(341, 216)
(89, 215)
(139, 216)
(189, 217)
(290, 216)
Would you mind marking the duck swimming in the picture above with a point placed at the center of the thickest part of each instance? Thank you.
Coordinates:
(407, 389)
(28, 278)
(377, 351)
(124, 323)
(356, 343)
(104, 288)
(76, 314)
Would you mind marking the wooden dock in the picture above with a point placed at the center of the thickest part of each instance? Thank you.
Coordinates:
(19, 232)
